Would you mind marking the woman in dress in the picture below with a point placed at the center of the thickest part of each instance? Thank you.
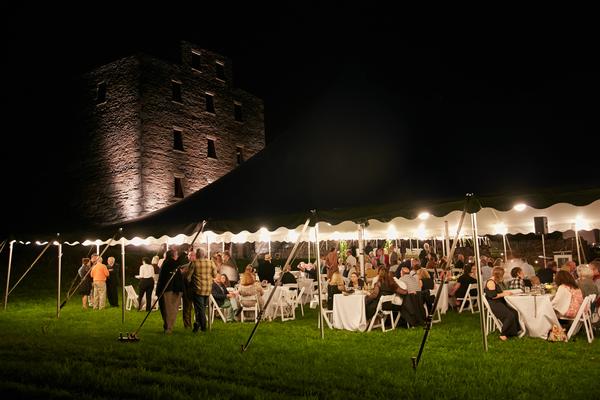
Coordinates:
(495, 297)
(568, 296)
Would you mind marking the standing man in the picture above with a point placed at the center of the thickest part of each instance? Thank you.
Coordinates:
(266, 270)
(112, 283)
(201, 274)
(99, 274)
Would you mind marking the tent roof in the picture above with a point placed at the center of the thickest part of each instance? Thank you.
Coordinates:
(364, 152)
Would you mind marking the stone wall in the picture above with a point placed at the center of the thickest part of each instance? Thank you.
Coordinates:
(130, 161)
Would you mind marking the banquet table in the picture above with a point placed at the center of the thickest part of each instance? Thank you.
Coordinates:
(536, 314)
(349, 312)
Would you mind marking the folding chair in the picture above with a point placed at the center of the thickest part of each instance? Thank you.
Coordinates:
(298, 301)
(249, 308)
(212, 302)
(583, 316)
(491, 322)
(132, 298)
(285, 303)
(469, 298)
(382, 315)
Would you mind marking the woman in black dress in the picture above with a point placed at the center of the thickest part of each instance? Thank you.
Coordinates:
(495, 297)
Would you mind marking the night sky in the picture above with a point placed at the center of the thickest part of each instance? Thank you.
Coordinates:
(519, 75)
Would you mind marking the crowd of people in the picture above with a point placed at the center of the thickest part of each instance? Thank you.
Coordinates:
(187, 277)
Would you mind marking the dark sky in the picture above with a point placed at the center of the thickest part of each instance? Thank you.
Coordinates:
(508, 74)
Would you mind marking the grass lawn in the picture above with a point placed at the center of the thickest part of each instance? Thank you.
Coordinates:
(78, 356)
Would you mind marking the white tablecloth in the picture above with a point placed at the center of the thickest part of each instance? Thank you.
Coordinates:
(349, 312)
(536, 314)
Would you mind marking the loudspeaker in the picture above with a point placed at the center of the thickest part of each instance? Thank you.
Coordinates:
(541, 225)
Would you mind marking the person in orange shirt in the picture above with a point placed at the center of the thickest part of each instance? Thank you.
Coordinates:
(99, 274)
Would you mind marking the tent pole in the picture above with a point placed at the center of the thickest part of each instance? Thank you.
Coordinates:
(479, 283)
(97, 248)
(447, 241)
(10, 253)
(278, 283)
(123, 280)
(31, 266)
(319, 280)
(59, 277)
(505, 253)
(208, 250)
(361, 250)
(269, 247)
(309, 244)
(578, 245)
(544, 249)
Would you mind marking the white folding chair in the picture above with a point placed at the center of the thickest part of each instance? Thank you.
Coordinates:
(212, 302)
(298, 301)
(245, 309)
(491, 322)
(437, 314)
(132, 298)
(583, 316)
(285, 304)
(382, 315)
(469, 298)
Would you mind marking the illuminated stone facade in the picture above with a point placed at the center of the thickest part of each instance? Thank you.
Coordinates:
(151, 135)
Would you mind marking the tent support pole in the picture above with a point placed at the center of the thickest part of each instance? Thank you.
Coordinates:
(319, 280)
(447, 241)
(59, 277)
(578, 245)
(31, 266)
(482, 320)
(361, 250)
(123, 280)
(309, 244)
(544, 249)
(429, 319)
(208, 250)
(504, 243)
(278, 283)
(10, 253)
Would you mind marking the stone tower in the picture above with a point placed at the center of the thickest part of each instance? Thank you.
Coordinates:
(154, 132)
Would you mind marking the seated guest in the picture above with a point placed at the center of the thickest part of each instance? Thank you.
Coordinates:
(412, 283)
(546, 275)
(335, 285)
(287, 276)
(495, 297)
(425, 281)
(222, 296)
(249, 287)
(426, 284)
(517, 279)
(568, 296)
(460, 288)
(384, 286)
(355, 282)
(585, 282)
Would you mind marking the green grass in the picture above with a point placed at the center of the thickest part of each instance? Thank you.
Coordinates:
(78, 356)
